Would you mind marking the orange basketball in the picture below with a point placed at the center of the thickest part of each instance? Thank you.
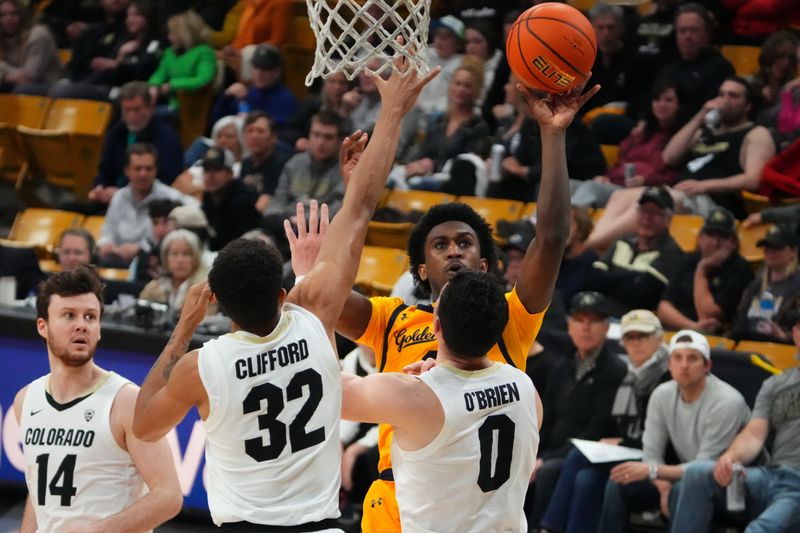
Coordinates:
(551, 47)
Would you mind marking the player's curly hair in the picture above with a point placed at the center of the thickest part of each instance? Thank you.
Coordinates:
(439, 214)
(81, 280)
(473, 313)
(246, 279)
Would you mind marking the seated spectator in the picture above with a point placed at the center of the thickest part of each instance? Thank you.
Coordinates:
(266, 92)
(22, 265)
(67, 19)
(708, 285)
(263, 21)
(777, 66)
(229, 204)
(772, 491)
(76, 247)
(192, 218)
(146, 266)
(700, 68)
(226, 134)
(329, 98)
(182, 268)
(481, 42)
(136, 125)
(769, 293)
(579, 395)
(445, 51)
(717, 163)
(578, 258)
(313, 174)
(577, 499)
(28, 52)
(634, 271)
(697, 413)
(127, 227)
(640, 153)
(188, 64)
(261, 169)
(222, 17)
(461, 130)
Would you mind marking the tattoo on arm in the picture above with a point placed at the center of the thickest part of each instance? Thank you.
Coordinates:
(175, 357)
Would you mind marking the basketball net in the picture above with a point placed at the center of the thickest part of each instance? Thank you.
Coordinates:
(354, 36)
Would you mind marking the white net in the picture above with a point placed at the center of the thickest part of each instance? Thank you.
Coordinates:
(361, 35)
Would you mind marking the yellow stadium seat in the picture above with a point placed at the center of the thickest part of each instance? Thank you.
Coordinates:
(379, 269)
(66, 150)
(298, 50)
(684, 229)
(611, 153)
(782, 356)
(41, 228)
(93, 224)
(597, 213)
(113, 274)
(15, 110)
(743, 58)
(528, 210)
(389, 234)
(410, 200)
(753, 203)
(602, 110)
(494, 209)
(193, 110)
(748, 237)
(49, 265)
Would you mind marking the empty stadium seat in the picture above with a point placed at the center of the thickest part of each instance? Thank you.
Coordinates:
(93, 224)
(611, 153)
(494, 209)
(15, 110)
(782, 356)
(684, 229)
(41, 228)
(379, 269)
(65, 151)
(748, 238)
(410, 200)
(389, 234)
(528, 210)
(743, 58)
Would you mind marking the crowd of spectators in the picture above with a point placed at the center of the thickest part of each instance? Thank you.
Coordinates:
(692, 137)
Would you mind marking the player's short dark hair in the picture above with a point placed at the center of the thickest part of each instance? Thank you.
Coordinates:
(81, 280)
(246, 279)
(440, 214)
(473, 312)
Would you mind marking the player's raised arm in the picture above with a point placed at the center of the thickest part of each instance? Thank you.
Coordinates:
(554, 113)
(327, 286)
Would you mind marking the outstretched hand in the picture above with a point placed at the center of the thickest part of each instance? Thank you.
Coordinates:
(306, 243)
(350, 152)
(402, 88)
(556, 110)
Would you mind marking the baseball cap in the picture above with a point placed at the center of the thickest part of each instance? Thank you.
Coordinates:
(721, 221)
(190, 217)
(589, 302)
(450, 22)
(217, 159)
(658, 195)
(266, 57)
(779, 235)
(687, 338)
(640, 320)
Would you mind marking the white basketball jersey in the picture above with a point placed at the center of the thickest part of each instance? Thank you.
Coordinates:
(74, 466)
(272, 455)
(473, 476)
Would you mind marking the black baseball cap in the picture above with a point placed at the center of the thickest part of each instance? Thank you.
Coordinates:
(779, 236)
(657, 195)
(589, 302)
(217, 159)
(720, 221)
(266, 57)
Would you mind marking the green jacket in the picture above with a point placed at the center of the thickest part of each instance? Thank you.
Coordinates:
(191, 70)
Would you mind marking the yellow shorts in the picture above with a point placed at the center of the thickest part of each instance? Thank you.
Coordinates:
(380, 509)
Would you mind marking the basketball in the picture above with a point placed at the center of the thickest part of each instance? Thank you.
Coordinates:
(551, 47)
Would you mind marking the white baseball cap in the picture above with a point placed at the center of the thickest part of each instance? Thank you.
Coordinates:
(687, 338)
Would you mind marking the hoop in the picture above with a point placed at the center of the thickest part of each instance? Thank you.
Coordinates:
(352, 33)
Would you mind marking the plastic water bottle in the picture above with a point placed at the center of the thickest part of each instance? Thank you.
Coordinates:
(496, 168)
(244, 107)
(712, 118)
(766, 306)
(735, 493)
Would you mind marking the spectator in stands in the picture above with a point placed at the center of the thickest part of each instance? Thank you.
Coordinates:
(482, 43)
(786, 214)
(227, 134)
(655, 38)
(28, 52)
(461, 130)
(192, 218)
(23, 265)
(310, 174)
(67, 19)
(579, 395)
(188, 64)
(229, 204)
(700, 69)
(136, 125)
(615, 63)
(578, 258)
(329, 98)
(222, 17)
(147, 264)
(448, 39)
(182, 267)
(127, 227)
(755, 20)
(772, 491)
(697, 413)
(708, 286)
(717, 161)
(640, 153)
(634, 271)
(261, 169)
(265, 93)
(777, 63)
(76, 247)
(514, 252)
(577, 500)
(263, 22)
(772, 291)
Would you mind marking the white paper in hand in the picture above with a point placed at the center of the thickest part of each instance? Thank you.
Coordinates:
(599, 452)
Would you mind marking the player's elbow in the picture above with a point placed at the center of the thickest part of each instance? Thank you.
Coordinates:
(144, 431)
(173, 502)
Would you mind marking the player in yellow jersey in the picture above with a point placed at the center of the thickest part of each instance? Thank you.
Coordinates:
(450, 238)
